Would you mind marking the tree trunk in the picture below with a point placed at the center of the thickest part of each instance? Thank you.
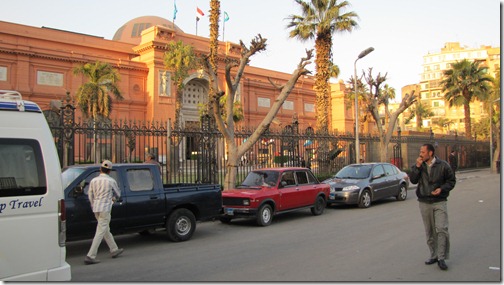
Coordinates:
(467, 119)
(322, 84)
(231, 165)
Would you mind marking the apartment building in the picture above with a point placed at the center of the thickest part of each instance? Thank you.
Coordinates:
(434, 64)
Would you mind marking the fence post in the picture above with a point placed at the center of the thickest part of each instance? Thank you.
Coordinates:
(67, 135)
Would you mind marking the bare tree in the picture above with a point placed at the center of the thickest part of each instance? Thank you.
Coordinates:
(226, 124)
(378, 96)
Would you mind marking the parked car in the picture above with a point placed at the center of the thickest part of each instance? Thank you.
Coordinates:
(364, 183)
(145, 204)
(270, 191)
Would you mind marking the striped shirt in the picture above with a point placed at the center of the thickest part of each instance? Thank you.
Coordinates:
(100, 193)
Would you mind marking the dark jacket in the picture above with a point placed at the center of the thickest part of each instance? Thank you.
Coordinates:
(441, 176)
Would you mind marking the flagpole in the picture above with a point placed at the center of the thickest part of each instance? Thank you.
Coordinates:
(197, 20)
(223, 28)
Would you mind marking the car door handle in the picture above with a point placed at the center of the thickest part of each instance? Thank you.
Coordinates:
(154, 197)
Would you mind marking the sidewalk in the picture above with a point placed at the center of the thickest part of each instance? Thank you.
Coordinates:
(462, 174)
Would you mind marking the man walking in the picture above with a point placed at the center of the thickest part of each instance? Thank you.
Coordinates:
(453, 160)
(103, 192)
(434, 178)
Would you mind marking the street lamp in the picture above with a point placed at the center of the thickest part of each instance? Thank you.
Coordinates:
(491, 135)
(361, 55)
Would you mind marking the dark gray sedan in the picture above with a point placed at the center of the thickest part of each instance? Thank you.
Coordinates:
(364, 183)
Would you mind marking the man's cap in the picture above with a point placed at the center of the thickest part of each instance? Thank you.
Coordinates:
(106, 164)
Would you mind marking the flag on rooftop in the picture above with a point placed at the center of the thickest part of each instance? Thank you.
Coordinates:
(226, 17)
(199, 13)
(175, 10)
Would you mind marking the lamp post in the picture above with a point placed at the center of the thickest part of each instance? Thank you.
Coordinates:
(491, 135)
(361, 55)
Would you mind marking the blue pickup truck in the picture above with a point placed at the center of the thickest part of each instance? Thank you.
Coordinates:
(145, 204)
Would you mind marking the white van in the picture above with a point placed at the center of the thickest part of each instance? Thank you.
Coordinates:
(32, 208)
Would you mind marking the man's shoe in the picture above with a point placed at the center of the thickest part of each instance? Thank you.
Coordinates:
(117, 252)
(442, 264)
(88, 260)
(431, 261)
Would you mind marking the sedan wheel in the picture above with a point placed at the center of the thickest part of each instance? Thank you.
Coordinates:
(365, 199)
(319, 206)
(265, 215)
(403, 193)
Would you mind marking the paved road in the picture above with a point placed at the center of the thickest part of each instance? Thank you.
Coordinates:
(383, 243)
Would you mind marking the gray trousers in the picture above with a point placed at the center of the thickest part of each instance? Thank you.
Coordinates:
(435, 219)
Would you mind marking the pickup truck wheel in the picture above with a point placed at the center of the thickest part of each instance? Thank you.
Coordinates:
(180, 225)
(264, 215)
(319, 206)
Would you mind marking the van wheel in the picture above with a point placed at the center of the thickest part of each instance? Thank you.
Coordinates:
(180, 225)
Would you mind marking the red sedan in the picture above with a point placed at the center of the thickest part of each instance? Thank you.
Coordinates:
(270, 191)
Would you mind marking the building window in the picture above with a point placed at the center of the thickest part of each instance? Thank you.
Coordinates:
(308, 107)
(138, 28)
(288, 105)
(263, 102)
(49, 78)
(3, 73)
(194, 95)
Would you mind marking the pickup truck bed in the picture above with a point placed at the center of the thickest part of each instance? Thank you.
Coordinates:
(145, 204)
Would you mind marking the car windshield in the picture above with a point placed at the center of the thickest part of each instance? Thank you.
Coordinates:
(70, 174)
(354, 172)
(260, 178)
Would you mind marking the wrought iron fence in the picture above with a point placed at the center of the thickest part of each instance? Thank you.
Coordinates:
(198, 154)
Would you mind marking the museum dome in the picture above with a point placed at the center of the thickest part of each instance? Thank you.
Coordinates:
(132, 30)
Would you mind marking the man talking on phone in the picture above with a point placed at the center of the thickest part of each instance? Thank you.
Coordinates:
(434, 178)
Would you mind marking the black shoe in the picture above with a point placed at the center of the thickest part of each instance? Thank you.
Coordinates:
(431, 261)
(88, 260)
(442, 264)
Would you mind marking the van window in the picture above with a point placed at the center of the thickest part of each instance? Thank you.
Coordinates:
(22, 170)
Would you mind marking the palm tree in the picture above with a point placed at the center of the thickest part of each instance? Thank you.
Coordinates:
(181, 59)
(93, 96)
(320, 19)
(465, 82)
(420, 111)
(212, 57)
(493, 107)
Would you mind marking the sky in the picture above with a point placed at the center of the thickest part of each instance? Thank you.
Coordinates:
(400, 31)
